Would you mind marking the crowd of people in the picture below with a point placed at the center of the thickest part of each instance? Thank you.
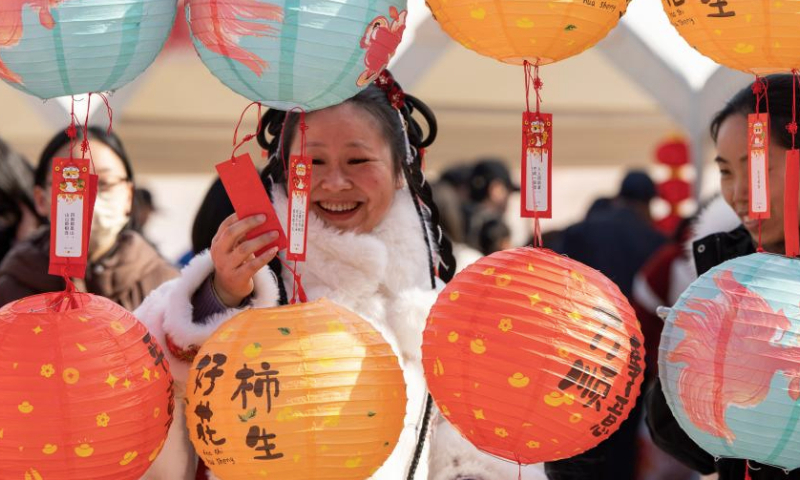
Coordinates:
(382, 242)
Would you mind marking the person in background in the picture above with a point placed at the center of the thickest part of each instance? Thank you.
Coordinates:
(122, 265)
(490, 190)
(451, 195)
(729, 131)
(617, 238)
(494, 236)
(18, 217)
(143, 208)
(214, 209)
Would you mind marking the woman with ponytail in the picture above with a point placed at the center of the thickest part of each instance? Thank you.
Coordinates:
(374, 247)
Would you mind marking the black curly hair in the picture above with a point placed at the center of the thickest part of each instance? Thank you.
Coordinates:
(277, 126)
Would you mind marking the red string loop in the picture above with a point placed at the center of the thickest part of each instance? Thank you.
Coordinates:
(760, 87)
(248, 137)
(108, 110)
(298, 292)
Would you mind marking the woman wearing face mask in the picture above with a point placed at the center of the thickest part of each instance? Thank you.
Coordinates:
(122, 265)
(729, 131)
(374, 247)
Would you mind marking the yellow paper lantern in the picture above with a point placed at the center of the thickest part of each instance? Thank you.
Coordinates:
(539, 31)
(308, 391)
(753, 36)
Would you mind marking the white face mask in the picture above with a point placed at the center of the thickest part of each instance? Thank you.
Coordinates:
(110, 217)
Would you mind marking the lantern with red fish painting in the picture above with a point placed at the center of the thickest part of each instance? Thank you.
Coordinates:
(729, 360)
(287, 53)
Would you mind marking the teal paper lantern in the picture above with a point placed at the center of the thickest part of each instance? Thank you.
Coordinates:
(729, 360)
(296, 53)
(52, 48)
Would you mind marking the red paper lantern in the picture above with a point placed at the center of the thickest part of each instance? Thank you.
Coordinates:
(674, 191)
(674, 153)
(533, 356)
(86, 392)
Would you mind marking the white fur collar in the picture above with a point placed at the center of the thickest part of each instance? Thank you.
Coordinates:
(350, 267)
(715, 217)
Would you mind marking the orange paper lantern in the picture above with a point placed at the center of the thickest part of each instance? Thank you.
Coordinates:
(85, 393)
(532, 356)
(539, 31)
(753, 36)
(309, 391)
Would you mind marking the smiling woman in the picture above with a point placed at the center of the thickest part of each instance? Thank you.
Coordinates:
(374, 247)
(729, 130)
(354, 179)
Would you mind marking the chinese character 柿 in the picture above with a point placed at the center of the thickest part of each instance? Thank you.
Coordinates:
(266, 385)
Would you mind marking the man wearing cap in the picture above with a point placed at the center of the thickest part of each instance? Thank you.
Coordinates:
(490, 189)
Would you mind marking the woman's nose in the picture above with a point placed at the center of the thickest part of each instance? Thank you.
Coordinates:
(335, 180)
(741, 192)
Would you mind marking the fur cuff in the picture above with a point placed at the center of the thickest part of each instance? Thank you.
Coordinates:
(409, 313)
(454, 458)
(178, 309)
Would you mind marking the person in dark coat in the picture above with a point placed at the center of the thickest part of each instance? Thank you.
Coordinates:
(617, 238)
(729, 131)
(122, 265)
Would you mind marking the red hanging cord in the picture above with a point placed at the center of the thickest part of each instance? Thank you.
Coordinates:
(108, 110)
(791, 127)
(298, 292)
(260, 116)
(85, 142)
(759, 88)
(72, 130)
(533, 80)
(66, 299)
(247, 137)
(791, 192)
(297, 285)
(302, 127)
(72, 133)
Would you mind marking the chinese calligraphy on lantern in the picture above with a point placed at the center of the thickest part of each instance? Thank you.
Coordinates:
(252, 383)
(593, 375)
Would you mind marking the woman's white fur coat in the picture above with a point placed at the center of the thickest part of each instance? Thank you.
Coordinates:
(384, 277)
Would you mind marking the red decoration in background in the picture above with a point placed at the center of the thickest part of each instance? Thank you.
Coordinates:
(673, 154)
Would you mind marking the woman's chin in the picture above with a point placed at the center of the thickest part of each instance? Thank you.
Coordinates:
(345, 221)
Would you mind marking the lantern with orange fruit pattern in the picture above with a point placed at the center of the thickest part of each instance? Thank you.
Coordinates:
(308, 391)
(749, 35)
